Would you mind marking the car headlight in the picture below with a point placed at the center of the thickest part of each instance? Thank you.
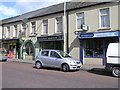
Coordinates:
(73, 62)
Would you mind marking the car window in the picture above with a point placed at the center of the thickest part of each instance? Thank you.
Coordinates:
(45, 53)
(54, 54)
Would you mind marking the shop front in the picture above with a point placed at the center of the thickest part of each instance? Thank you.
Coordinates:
(93, 46)
(11, 45)
(51, 42)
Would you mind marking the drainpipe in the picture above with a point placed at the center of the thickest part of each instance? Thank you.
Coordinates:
(65, 28)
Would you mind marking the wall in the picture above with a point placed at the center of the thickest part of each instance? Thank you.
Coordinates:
(91, 20)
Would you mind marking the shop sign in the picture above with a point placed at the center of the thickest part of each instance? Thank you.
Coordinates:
(108, 34)
(50, 38)
(100, 34)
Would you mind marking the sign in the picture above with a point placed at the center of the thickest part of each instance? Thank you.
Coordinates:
(50, 38)
(99, 34)
(84, 27)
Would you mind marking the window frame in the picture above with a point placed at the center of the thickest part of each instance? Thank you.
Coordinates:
(23, 30)
(77, 20)
(8, 31)
(16, 30)
(33, 28)
(100, 19)
(43, 26)
(57, 22)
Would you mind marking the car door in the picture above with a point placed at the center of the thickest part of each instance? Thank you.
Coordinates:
(55, 59)
(45, 58)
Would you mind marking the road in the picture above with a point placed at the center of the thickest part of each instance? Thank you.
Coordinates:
(22, 75)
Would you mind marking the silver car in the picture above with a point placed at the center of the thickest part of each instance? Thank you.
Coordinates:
(56, 59)
(3, 55)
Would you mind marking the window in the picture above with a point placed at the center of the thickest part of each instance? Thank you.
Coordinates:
(93, 48)
(24, 29)
(8, 32)
(59, 24)
(45, 26)
(45, 53)
(104, 18)
(33, 29)
(16, 32)
(54, 54)
(80, 20)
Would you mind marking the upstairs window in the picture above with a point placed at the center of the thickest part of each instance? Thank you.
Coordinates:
(59, 24)
(104, 18)
(15, 31)
(45, 26)
(80, 20)
(8, 32)
(23, 29)
(33, 28)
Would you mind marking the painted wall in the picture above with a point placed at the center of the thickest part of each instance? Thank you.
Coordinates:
(91, 16)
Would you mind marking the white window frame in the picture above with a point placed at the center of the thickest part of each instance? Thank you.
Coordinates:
(8, 31)
(77, 20)
(58, 23)
(100, 22)
(33, 28)
(15, 32)
(43, 25)
(23, 32)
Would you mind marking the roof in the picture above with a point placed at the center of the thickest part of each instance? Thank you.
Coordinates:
(51, 10)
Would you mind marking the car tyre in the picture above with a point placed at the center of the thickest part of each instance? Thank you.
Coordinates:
(65, 68)
(116, 71)
(38, 65)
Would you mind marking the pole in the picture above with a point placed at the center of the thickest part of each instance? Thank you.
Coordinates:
(65, 28)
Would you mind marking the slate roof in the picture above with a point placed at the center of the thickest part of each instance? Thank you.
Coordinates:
(51, 10)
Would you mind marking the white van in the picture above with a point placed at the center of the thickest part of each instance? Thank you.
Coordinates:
(113, 59)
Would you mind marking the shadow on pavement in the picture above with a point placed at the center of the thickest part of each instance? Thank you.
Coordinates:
(100, 71)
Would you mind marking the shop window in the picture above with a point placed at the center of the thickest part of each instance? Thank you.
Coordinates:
(104, 18)
(93, 48)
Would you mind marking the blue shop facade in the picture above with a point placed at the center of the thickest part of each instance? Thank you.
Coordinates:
(94, 44)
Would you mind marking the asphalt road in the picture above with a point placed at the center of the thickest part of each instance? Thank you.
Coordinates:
(22, 75)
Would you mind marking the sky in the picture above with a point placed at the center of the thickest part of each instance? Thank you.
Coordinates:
(11, 8)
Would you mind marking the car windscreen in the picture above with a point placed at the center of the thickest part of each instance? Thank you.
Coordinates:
(63, 54)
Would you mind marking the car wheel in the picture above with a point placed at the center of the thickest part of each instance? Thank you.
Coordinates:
(65, 67)
(116, 71)
(38, 65)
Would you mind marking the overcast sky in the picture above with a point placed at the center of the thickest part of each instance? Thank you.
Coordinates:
(10, 8)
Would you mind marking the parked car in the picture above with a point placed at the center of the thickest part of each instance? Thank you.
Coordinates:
(3, 55)
(56, 59)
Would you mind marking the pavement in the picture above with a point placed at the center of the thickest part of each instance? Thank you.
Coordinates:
(84, 66)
